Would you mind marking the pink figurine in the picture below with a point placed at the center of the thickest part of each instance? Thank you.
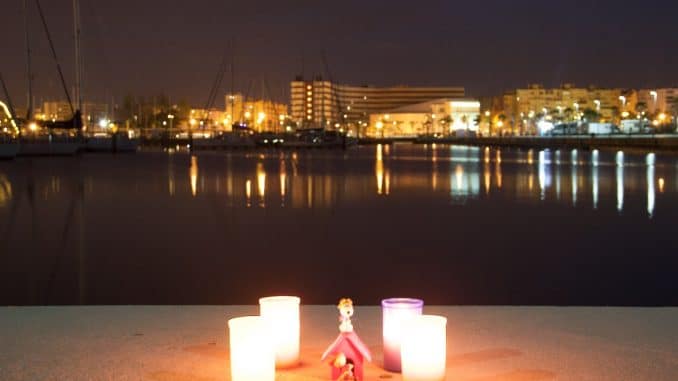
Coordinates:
(348, 351)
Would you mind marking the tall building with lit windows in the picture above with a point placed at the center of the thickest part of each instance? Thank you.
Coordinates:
(318, 102)
(92, 113)
(259, 114)
(663, 100)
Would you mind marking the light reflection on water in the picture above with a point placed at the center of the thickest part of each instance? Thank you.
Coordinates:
(329, 179)
(393, 202)
(471, 170)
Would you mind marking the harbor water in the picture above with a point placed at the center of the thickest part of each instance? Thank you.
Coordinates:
(449, 224)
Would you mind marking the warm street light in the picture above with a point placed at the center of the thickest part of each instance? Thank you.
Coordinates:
(623, 100)
(597, 103)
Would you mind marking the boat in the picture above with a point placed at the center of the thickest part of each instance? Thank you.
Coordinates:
(114, 142)
(49, 145)
(53, 137)
(319, 138)
(9, 147)
(239, 137)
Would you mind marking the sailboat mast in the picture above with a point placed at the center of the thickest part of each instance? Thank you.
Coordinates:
(232, 81)
(78, 58)
(29, 75)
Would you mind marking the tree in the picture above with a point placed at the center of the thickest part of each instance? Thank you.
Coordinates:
(591, 115)
(641, 108)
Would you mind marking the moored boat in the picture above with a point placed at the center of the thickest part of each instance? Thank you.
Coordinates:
(49, 145)
(9, 147)
(118, 142)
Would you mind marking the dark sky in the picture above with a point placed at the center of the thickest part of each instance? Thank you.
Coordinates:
(151, 46)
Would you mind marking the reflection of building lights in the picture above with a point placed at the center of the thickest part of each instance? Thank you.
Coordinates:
(248, 192)
(261, 182)
(619, 159)
(194, 175)
(660, 183)
(379, 169)
(620, 186)
(650, 190)
(283, 179)
(594, 185)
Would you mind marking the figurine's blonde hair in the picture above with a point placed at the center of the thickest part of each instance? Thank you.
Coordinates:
(345, 302)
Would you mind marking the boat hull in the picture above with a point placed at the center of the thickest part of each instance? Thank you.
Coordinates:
(106, 144)
(8, 150)
(47, 148)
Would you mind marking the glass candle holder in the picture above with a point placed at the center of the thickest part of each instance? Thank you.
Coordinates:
(424, 348)
(251, 349)
(282, 315)
(395, 312)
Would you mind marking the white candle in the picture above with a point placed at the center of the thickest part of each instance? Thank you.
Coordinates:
(282, 315)
(424, 348)
(252, 351)
(396, 311)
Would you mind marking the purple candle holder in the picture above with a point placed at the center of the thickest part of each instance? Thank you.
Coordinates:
(396, 312)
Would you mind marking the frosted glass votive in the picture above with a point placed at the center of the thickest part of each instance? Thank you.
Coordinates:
(282, 315)
(252, 350)
(395, 312)
(424, 348)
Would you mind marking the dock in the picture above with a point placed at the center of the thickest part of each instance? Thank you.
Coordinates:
(163, 343)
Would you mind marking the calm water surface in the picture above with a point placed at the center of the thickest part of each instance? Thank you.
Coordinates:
(451, 224)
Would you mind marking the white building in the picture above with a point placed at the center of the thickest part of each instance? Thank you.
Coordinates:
(446, 116)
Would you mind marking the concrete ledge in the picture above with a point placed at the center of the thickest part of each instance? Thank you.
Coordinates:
(484, 343)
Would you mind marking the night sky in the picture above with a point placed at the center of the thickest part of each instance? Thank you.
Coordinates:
(175, 46)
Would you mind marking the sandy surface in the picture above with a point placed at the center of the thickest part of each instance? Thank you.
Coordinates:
(484, 343)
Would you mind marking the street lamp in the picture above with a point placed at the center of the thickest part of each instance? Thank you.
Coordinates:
(171, 121)
(623, 101)
(597, 103)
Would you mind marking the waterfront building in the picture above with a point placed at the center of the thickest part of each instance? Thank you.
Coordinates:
(659, 101)
(319, 102)
(214, 119)
(260, 114)
(93, 114)
(446, 116)
(523, 107)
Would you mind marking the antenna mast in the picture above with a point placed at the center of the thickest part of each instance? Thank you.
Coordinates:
(29, 75)
(78, 58)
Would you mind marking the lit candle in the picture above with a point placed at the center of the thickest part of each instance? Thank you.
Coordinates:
(252, 352)
(282, 314)
(423, 350)
(396, 312)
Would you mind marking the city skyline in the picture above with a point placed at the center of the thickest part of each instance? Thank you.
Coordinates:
(487, 48)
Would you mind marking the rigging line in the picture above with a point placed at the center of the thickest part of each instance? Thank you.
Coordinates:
(29, 75)
(215, 84)
(244, 100)
(54, 56)
(10, 105)
(273, 103)
(218, 81)
(333, 88)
